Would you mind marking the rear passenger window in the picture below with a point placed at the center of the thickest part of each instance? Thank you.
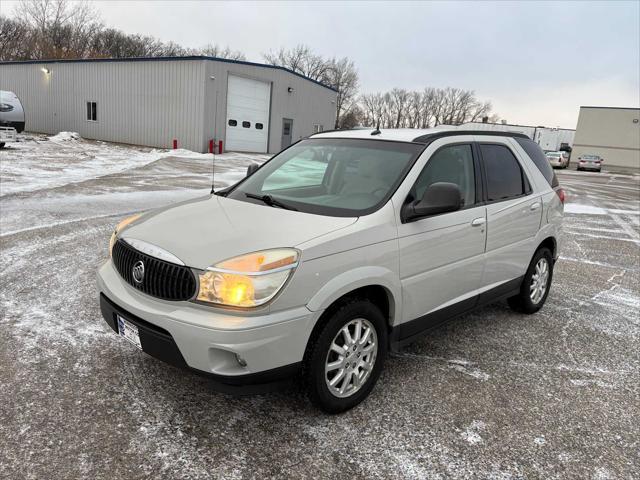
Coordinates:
(539, 158)
(453, 164)
(505, 178)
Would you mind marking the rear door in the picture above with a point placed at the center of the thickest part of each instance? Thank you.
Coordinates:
(441, 257)
(514, 213)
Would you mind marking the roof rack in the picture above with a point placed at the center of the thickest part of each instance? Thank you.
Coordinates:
(430, 137)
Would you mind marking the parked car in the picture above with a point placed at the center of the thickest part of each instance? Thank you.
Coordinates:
(11, 117)
(558, 159)
(590, 162)
(340, 248)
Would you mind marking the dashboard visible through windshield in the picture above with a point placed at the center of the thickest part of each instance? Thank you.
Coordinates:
(330, 176)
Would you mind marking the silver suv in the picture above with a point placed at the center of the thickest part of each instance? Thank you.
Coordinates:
(340, 248)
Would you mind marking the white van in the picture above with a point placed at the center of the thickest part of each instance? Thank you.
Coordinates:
(11, 117)
(340, 248)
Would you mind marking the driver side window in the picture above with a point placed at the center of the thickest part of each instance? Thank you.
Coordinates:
(453, 164)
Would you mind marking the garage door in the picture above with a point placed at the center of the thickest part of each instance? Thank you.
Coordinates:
(247, 114)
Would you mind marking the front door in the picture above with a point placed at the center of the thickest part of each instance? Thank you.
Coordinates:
(441, 257)
(287, 132)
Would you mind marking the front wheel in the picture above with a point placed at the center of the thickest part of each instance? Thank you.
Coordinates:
(345, 357)
(535, 285)
(1, 144)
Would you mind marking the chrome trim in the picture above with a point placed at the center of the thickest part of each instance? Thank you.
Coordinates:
(153, 250)
(253, 274)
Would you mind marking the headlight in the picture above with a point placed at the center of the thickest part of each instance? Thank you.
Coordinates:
(118, 229)
(5, 107)
(249, 280)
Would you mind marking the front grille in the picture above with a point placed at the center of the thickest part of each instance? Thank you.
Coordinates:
(164, 280)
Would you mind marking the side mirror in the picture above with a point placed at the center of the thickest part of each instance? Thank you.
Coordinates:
(439, 197)
(252, 168)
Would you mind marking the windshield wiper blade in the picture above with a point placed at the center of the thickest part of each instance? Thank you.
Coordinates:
(272, 202)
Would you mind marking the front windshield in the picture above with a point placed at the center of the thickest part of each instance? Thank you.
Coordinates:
(331, 176)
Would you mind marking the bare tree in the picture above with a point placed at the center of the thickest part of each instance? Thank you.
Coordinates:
(399, 108)
(342, 76)
(59, 29)
(299, 59)
(212, 50)
(15, 39)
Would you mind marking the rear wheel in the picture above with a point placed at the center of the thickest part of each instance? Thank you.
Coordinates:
(345, 357)
(1, 144)
(535, 285)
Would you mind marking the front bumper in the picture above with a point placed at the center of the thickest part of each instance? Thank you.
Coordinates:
(205, 339)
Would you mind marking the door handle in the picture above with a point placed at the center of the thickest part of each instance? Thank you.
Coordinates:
(534, 206)
(476, 222)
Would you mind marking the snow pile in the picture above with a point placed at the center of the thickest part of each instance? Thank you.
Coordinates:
(65, 137)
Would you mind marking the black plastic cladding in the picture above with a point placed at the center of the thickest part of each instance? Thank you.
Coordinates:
(164, 280)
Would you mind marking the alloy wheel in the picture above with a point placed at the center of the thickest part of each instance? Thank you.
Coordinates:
(539, 281)
(351, 358)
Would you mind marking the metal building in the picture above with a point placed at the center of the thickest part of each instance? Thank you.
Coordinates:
(152, 101)
(613, 133)
(549, 138)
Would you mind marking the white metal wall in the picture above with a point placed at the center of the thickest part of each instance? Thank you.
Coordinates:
(152, 102)
(143, 103)
(308, 104)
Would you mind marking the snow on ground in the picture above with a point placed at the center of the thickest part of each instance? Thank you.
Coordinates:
(492, 395)
(39, 162)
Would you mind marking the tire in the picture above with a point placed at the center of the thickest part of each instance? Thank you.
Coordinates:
(530, 301)
(1, 144)
(319, 354)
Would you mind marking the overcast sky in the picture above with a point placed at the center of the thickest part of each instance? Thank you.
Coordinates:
(537, 62)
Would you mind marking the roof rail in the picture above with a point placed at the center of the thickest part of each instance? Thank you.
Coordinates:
(430, 137)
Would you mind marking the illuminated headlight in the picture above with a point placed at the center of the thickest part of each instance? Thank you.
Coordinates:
(249, 280)
(119, 228)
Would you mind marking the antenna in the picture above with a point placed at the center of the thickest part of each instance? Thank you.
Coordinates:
(213, 150)
(377, 130)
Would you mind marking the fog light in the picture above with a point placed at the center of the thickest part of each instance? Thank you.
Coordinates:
(241, 361)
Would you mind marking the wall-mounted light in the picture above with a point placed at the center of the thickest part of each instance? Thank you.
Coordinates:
(290, 90)
(46, 70)
(212, 77)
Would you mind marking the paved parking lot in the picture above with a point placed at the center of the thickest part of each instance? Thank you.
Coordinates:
(492, 395)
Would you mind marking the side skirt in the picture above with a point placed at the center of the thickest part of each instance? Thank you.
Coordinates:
(413, 330)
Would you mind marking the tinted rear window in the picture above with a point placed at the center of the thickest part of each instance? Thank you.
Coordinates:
(504, 176)
(537, 155)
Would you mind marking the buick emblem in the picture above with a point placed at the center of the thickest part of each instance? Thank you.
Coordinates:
(138, 272)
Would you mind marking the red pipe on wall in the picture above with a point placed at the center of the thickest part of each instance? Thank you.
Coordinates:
(175, 144)
(210, 146)
(220, 146)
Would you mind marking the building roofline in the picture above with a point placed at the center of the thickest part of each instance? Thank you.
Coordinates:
(164, 59)
(611, 108)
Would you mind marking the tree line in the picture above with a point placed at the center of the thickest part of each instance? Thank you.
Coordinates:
(52, 29)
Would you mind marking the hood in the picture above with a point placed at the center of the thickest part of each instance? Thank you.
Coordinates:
(207, 230)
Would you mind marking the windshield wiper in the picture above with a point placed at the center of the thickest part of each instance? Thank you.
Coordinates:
(269, 200)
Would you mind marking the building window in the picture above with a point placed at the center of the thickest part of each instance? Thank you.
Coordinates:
(92, 111)
(246, 124)
(233, 123)
(259, 126)
(318, 128)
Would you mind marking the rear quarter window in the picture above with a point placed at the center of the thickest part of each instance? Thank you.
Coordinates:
(538, 157)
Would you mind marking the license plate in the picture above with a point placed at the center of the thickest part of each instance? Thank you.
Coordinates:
(129, 331)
